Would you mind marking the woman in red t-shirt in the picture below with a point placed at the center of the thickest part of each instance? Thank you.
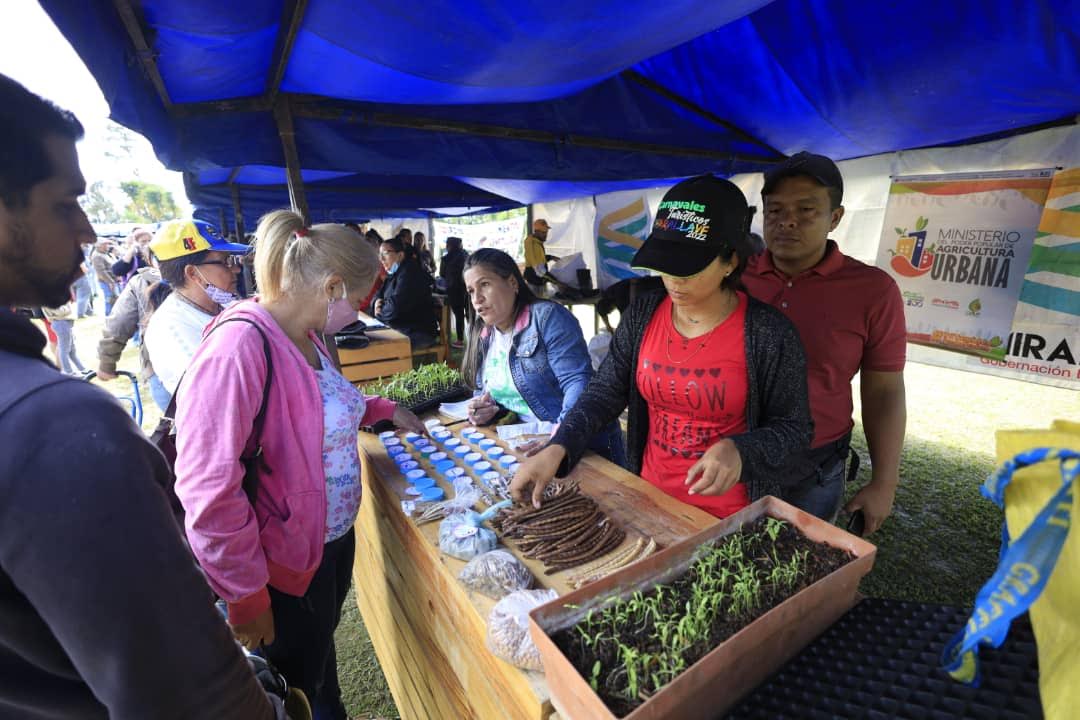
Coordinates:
(715, 382)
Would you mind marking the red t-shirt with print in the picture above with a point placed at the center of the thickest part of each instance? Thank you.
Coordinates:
(695, 389)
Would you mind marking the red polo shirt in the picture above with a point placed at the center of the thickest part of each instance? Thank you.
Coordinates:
(849, 315)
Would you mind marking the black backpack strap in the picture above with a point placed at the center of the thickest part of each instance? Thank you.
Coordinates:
(253, 459)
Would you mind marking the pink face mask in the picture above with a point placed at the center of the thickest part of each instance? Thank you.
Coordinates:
(339, 313)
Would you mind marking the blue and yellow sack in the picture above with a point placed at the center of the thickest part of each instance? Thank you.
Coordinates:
(1039, 567)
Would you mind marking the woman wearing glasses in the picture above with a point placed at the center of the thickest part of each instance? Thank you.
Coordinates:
(198, 279)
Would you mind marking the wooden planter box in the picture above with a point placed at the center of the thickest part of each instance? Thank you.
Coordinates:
(719, 680)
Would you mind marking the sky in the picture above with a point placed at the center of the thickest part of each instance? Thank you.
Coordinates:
(33, 52)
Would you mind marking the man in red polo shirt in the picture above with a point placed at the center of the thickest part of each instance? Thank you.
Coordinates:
(850, 317)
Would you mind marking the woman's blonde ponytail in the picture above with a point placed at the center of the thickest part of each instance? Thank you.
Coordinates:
(274, 237)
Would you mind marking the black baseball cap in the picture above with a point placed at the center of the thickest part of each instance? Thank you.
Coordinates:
(818, 167)
(697, 219)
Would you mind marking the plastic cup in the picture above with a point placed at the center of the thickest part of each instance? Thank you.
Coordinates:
(395, 450)
(507, 460)
(494, 452)
(485, 443)
(461, 450)
(490, 477)
(473, 458)
(451, 443)
(414, 475)
(412, 437)
(482, 467)
(442, 436)
(432, 494)
(408, 465)
(474, 436)
(427, 450)
(455, 472)
(436, 457)
(387, 434)
(423, 483)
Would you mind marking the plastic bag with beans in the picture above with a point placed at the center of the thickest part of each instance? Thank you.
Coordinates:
(495, 574)
(508, 628)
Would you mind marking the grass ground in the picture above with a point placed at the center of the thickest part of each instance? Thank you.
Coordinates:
(940, 544)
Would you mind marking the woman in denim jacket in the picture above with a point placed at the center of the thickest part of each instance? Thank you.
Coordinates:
(525, 355)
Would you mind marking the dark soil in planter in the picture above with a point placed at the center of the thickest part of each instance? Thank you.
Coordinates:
(618, 656)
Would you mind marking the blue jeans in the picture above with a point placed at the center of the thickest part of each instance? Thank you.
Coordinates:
(821, 496)
(82, 296)
(161, 396)
(65, 346)
(108, 296)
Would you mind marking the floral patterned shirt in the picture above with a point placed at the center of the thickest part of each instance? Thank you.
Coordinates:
(343, 408)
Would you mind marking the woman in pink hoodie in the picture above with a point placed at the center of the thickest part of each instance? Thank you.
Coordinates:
(283, 561)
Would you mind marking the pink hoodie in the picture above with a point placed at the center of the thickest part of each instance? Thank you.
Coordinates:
(279, 542)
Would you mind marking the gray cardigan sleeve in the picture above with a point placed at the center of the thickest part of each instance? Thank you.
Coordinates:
(120, 327)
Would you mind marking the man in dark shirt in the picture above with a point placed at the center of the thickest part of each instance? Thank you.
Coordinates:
(103, 613)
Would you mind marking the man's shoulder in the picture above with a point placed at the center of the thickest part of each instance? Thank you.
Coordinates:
(854, 268)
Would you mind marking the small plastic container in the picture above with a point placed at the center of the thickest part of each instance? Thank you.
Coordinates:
(495, 452)
(386, 434)
(490, 477)
(392, 442)
(462, 450)
(474, 436)
(408, 465)
(426, 450)
(481, 467)
(444, 466)
(411, 437)
(451, 443)
(423, 483)
(442, 436)
(414, 475)
(432, 494)
(473, 458)
(436, 457)
(455, 472)
(396, 450)
(485, 442)
(506, 460)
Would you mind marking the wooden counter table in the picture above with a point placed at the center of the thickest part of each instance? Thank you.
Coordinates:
(388, 353)
(429, 631)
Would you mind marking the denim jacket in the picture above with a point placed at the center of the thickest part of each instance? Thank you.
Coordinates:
(550, 365)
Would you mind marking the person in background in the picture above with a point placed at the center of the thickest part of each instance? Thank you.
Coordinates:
(374, 239)
(851, 320)
(404, 302)
(91, 276)
(130, 315)
(714, 381)
(451, 270)
(198, 278)
(84, 295)
(103, 615)
(283, 560)
(525, 355)
(136, 255)
(62, 320)
(423, 253)
(102, 261)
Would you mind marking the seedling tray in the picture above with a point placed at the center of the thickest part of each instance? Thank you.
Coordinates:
(883, 660)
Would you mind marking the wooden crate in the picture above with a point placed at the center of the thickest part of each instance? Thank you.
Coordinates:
(388, 354)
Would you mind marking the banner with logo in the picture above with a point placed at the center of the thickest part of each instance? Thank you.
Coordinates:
(958, 246)
(623, 221)
(1045, 341)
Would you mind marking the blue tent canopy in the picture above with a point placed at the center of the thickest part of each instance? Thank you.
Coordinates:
(603, 92)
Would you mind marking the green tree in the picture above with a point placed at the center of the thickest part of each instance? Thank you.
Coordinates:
(148, 202)
(97, 205)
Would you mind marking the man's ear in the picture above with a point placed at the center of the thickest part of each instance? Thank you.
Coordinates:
(837, 216)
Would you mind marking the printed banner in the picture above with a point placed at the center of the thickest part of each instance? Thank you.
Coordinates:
(622, 224)
(958, 246)
(1045, 339)
(506, 235)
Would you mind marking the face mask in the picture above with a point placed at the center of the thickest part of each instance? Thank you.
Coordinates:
(339, 313)
(393, 269)
(224, 298)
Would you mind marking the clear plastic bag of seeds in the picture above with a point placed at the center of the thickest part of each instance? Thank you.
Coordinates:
(495, 574)
(508, 628)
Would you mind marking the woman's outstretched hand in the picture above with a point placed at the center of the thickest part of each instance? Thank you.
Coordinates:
(536, 472)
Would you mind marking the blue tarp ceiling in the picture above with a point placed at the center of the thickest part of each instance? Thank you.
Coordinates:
(607, 91)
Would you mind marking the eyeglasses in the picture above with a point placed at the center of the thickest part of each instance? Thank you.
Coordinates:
(232, 261)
